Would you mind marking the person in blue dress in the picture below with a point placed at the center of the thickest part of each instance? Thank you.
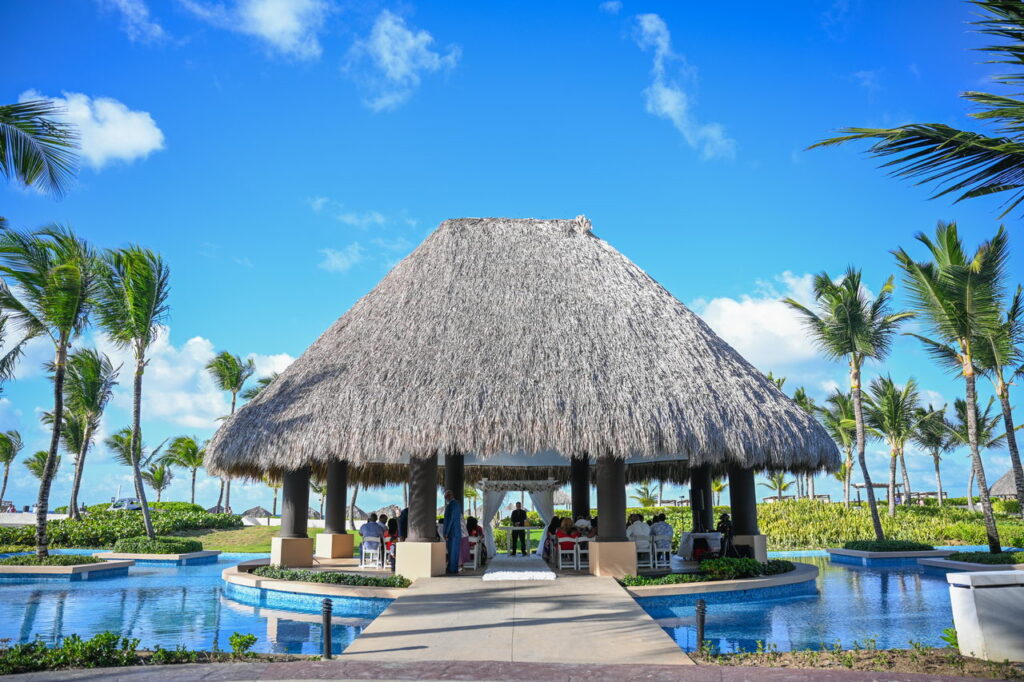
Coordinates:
(452, 530)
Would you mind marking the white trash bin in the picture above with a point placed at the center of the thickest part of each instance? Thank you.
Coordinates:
(988, 612)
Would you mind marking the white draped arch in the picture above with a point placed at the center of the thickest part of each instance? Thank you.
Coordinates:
(542, 493)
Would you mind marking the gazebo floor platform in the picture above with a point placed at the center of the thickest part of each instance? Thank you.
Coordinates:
(464, 618)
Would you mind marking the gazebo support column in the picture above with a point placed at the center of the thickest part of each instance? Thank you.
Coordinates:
(292, 547)
(579, 482)
(612, 554)
(422, 554)
(455, 476)
(701, 499)
(743, 504)
(335, 542)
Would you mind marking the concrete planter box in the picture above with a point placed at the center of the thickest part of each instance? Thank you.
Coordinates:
(988, 608)
(861, 558)
(241, 575)
(108, 569)
(207, 556)
(950, 565)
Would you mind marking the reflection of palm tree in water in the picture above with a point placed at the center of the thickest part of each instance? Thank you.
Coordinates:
(58, 618)
(31, 611)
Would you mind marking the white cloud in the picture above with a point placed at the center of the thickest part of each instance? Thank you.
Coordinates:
(666, 98)
(868, 79)
(760, 326)
(318, 203)
(610, 7)
(108, 130)
(389, 63)
(361, 219)
(268, 364)
(933, 398)
(290, 27)
(135, 21)
(341, 260)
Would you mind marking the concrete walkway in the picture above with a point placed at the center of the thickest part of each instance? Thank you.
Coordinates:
(574, 619)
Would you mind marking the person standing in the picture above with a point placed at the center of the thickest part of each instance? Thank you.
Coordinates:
(518, 521)
(452, 531)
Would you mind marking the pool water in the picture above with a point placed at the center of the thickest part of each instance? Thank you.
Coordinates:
(175, 605)
(887, 607)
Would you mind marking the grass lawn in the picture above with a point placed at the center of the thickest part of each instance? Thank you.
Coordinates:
(249, 539)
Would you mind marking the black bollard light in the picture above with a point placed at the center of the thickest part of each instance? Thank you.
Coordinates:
(702, 610)
(325, 611)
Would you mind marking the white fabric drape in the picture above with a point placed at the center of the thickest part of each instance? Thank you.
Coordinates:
(492, 504)
(544, 503)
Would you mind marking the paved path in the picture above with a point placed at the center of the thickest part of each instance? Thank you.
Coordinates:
(492, 671)
(575, 619)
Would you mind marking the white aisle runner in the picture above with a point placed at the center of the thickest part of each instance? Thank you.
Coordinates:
(530, 567)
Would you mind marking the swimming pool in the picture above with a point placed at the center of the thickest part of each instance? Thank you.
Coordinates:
(887, 607)
(175, 605)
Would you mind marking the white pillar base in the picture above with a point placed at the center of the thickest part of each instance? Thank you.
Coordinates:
(615, 559)
(291, 552)
(419, 559)
(334, 545)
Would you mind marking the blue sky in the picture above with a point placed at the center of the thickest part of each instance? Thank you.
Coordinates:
(283, 155)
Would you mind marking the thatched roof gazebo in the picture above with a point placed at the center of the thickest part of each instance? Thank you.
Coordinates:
(504, 341)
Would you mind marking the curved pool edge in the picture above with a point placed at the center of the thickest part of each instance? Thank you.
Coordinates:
(801, 574)
(241, 575)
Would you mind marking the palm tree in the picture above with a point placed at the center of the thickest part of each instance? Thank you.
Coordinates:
(37, 148)
(132, 305)
(10, 446)
(837, 417)
(319, 488)
(958, 298)
(778, 484)
(892, 412)
(961, 162)
(261, 383)
(159, 476)
(472, 494)
(932, 434)
(778, 381)
(850, 325)
(959, 429)
(806, 403)
(718, 486)
(38, 463)
(275, 485)
(90, 381)
(644, 496)
(1001, 350)
(187, 453)
(49, 278)
(122, 444)
(230, 373)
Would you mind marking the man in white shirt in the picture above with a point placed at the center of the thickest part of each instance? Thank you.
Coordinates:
(638, 529)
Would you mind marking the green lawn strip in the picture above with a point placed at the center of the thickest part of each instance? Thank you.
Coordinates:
(250, 539)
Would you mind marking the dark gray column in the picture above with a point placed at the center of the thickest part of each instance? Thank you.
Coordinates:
(701, 500)
(337, 497)
(579, 481)
(743, 501)
(423, 499)
(294, 503)
(455, 475)
(611, 499)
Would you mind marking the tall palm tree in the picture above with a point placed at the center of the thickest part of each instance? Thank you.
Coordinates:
(37, 464)
(132, 453)
(90, 381)
(806, 403)
(644, 496)
(187, 453)
(985, 432)
(960, 162)
(778, 484)
(230, 373)
(850, 325)
(10, 446)
(49, 279)
(837, 417)
(472, 494)
(958, 296)
(319, 488)
(718, 486)
(36, 147)
(261, 383)
(132, 304)
(275, 485)
(159, 476)
(1001, 351)
(932, 434)
(892, 412)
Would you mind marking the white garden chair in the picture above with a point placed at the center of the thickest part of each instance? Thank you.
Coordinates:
(644, 555)
(582, 553)
(662, 545)
(474, 552)
(567, 555)
(371, 553)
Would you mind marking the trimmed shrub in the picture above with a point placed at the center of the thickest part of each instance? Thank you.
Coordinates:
(1009, 507)
(725, 568)
(52, 560)
(330, 577)
(104, 650)
(158, 545)
(102, 528)
(777, 566)
(989, 557)
(887, 546)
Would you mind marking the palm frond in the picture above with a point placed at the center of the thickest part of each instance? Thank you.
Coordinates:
(36, 147)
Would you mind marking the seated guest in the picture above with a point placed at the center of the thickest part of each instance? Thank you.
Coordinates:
(662, 532)
(637, 529)
(383, 521)
(549, 542)
(566, 530)
(475, 530)
(371, 529)
(390, 538)
(583, 524)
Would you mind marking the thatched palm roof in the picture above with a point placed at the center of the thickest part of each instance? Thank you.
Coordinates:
(518, 336)
(1005, 486)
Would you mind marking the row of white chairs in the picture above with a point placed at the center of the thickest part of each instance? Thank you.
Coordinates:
(654, 552)
(576, 557)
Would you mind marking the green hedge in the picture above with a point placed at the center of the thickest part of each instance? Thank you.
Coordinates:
(158, 545)
(330, 577)
(103, 529)
(1009, 507)
(725, 568)
(989, 557)
(887, 546)
(52, 560)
